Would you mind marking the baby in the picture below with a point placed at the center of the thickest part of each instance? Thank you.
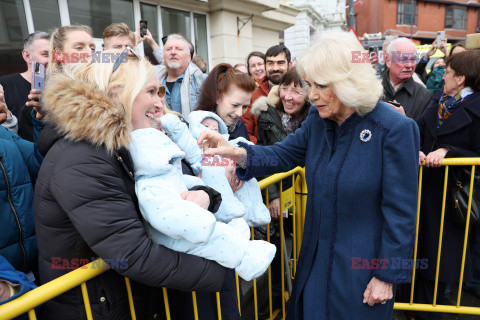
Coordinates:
(247, 201)
(182, 225)
(210, 123)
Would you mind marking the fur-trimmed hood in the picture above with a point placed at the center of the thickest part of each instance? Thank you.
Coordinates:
(81, 112)
(261, 104)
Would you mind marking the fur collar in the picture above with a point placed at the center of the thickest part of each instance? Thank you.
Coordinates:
(261, 104)
(81, 112)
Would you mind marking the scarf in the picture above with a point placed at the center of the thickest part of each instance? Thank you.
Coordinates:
(289, 123)
(448, 104)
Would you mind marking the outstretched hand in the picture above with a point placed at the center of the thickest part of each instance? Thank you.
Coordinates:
(213, 143)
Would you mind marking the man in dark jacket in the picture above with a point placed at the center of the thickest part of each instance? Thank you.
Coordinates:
(397, 80)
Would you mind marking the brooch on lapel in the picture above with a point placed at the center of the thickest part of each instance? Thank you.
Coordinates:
(365, 135)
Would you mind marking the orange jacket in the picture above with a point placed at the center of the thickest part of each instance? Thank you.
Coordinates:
(248, 118)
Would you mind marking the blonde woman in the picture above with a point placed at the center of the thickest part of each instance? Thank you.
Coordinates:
(68, 44)
(360, 157)
(85, 201)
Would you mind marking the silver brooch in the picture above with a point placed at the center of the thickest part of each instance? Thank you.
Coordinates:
(365, 135)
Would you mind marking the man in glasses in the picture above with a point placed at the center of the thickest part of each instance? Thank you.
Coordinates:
(181, 78)
(398, 82)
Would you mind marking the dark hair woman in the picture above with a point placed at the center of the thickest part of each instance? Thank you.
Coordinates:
(227, 93)
(450, 127)
(256, 65)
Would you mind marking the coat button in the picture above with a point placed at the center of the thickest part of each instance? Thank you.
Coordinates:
(102, 299)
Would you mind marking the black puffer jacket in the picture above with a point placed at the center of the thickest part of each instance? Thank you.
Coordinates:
(86, 207)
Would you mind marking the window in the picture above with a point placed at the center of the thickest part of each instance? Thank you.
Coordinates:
(407, 12)
(100, 14)
(13, 29)
(176, 21)
(149, 12)
(201, 42)
(46, 14)
(456, 18)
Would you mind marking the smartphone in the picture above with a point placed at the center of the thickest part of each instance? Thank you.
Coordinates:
(396, 104)
(440, 37)
(143, 28)
(38, 76)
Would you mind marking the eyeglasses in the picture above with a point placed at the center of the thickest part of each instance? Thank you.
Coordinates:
(445, 72)
(122, 56)
(162, 91)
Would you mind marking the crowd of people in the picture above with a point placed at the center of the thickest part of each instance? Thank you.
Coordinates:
(153, 167)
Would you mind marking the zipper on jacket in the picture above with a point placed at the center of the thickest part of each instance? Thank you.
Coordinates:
(10, 201)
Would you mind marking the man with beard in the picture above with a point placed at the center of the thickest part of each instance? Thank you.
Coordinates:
(398, 84)
(277, 62)
(17, 86)
(181, 78)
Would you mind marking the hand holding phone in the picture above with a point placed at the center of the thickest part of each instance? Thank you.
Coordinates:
(143, 28)
(440, 37)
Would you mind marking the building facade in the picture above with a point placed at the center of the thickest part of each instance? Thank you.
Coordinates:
(221, 30)
(314, 16)
(420, 19)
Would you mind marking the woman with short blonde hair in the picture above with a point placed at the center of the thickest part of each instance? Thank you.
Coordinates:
(361, 166)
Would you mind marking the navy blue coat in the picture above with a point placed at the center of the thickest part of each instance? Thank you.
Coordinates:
(19, 165)
(460, 133)
(362, 199)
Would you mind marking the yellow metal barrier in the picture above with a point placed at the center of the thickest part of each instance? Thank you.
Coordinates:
(27, 302)
(434, 307)
(294, 199)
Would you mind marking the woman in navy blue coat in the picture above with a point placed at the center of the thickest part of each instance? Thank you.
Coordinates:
(361, 162)
(450, 127)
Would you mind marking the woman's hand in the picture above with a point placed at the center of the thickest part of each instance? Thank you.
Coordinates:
(34, 101)
(232, 178)
(432, 49)
(377, 292)
(274, 207)
(199, 197)
(213, 143)
(434, 158)
(421, 158)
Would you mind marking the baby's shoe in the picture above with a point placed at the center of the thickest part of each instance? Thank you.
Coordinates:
(258, 256)
(257, 214)
(241, 226)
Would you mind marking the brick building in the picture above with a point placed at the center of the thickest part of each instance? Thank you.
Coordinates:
(422, 20)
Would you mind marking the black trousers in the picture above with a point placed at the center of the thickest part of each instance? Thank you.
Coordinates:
(424, 290)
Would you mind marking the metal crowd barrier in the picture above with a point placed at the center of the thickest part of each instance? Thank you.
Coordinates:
(294, 199)
(434, 307)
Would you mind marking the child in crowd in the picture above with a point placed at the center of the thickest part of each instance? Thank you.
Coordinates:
(182, 225)
(247, 201)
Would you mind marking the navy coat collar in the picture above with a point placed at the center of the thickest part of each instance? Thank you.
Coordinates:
(460, 119)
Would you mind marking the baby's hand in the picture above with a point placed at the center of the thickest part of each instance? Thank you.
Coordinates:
(199, 197)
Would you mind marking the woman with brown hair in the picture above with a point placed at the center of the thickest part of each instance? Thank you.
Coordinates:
(227, 93)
